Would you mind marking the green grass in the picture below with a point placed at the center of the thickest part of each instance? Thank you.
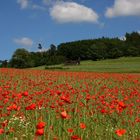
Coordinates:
(120, 65)
(104, 103)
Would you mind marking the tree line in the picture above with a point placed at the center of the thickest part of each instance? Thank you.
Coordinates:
(92, 49)
(102, 48)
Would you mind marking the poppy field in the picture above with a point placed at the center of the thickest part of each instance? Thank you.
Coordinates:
(56, 105)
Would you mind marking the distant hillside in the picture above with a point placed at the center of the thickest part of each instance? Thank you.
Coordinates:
(120, 65)
(92, 49)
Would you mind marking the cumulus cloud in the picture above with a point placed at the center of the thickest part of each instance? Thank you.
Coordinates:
(24, 41)
(124, 8)
(23, 3)
(72, 12)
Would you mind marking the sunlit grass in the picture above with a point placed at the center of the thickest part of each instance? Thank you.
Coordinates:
(120, 65)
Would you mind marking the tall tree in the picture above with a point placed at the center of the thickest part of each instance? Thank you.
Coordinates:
(21, 59)
(40, 47)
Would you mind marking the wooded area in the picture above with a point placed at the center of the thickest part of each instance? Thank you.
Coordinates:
(92, 49)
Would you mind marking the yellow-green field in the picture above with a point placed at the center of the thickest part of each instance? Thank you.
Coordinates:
(120, 65)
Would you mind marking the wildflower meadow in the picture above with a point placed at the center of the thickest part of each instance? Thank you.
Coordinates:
(56, 105)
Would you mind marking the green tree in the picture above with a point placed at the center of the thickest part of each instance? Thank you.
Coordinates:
(132, 51)
(21, 59)
(52, 50)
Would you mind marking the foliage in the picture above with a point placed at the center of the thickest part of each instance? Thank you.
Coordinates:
(55, 59)
(21, 59)
(92, 49)
(102, 48)
(4, 64)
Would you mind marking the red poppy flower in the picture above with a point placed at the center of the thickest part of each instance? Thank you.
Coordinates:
(13, 107)
(103, 111)
(66, 99)
(70, 130)
(120, 132)
(64, 114)
(58, 92)
(39, 132)
(40, 125)
(75, 137)
(121, 104)
(82, 125)
(31, 107)
(55, 138)
(1, 131)
(25, 93)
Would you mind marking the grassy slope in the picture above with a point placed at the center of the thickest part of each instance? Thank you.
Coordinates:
(121, 65)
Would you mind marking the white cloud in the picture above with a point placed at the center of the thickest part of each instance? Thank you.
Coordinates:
(72, 12)
(38, 7)
(24, 41)
(124, 8)
(123, 38)
(50, 2)
(23, 3)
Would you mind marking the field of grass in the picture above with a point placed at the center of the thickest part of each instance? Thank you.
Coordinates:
(60, 105)
(120, 65)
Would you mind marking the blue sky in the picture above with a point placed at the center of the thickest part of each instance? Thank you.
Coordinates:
(25, 23)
